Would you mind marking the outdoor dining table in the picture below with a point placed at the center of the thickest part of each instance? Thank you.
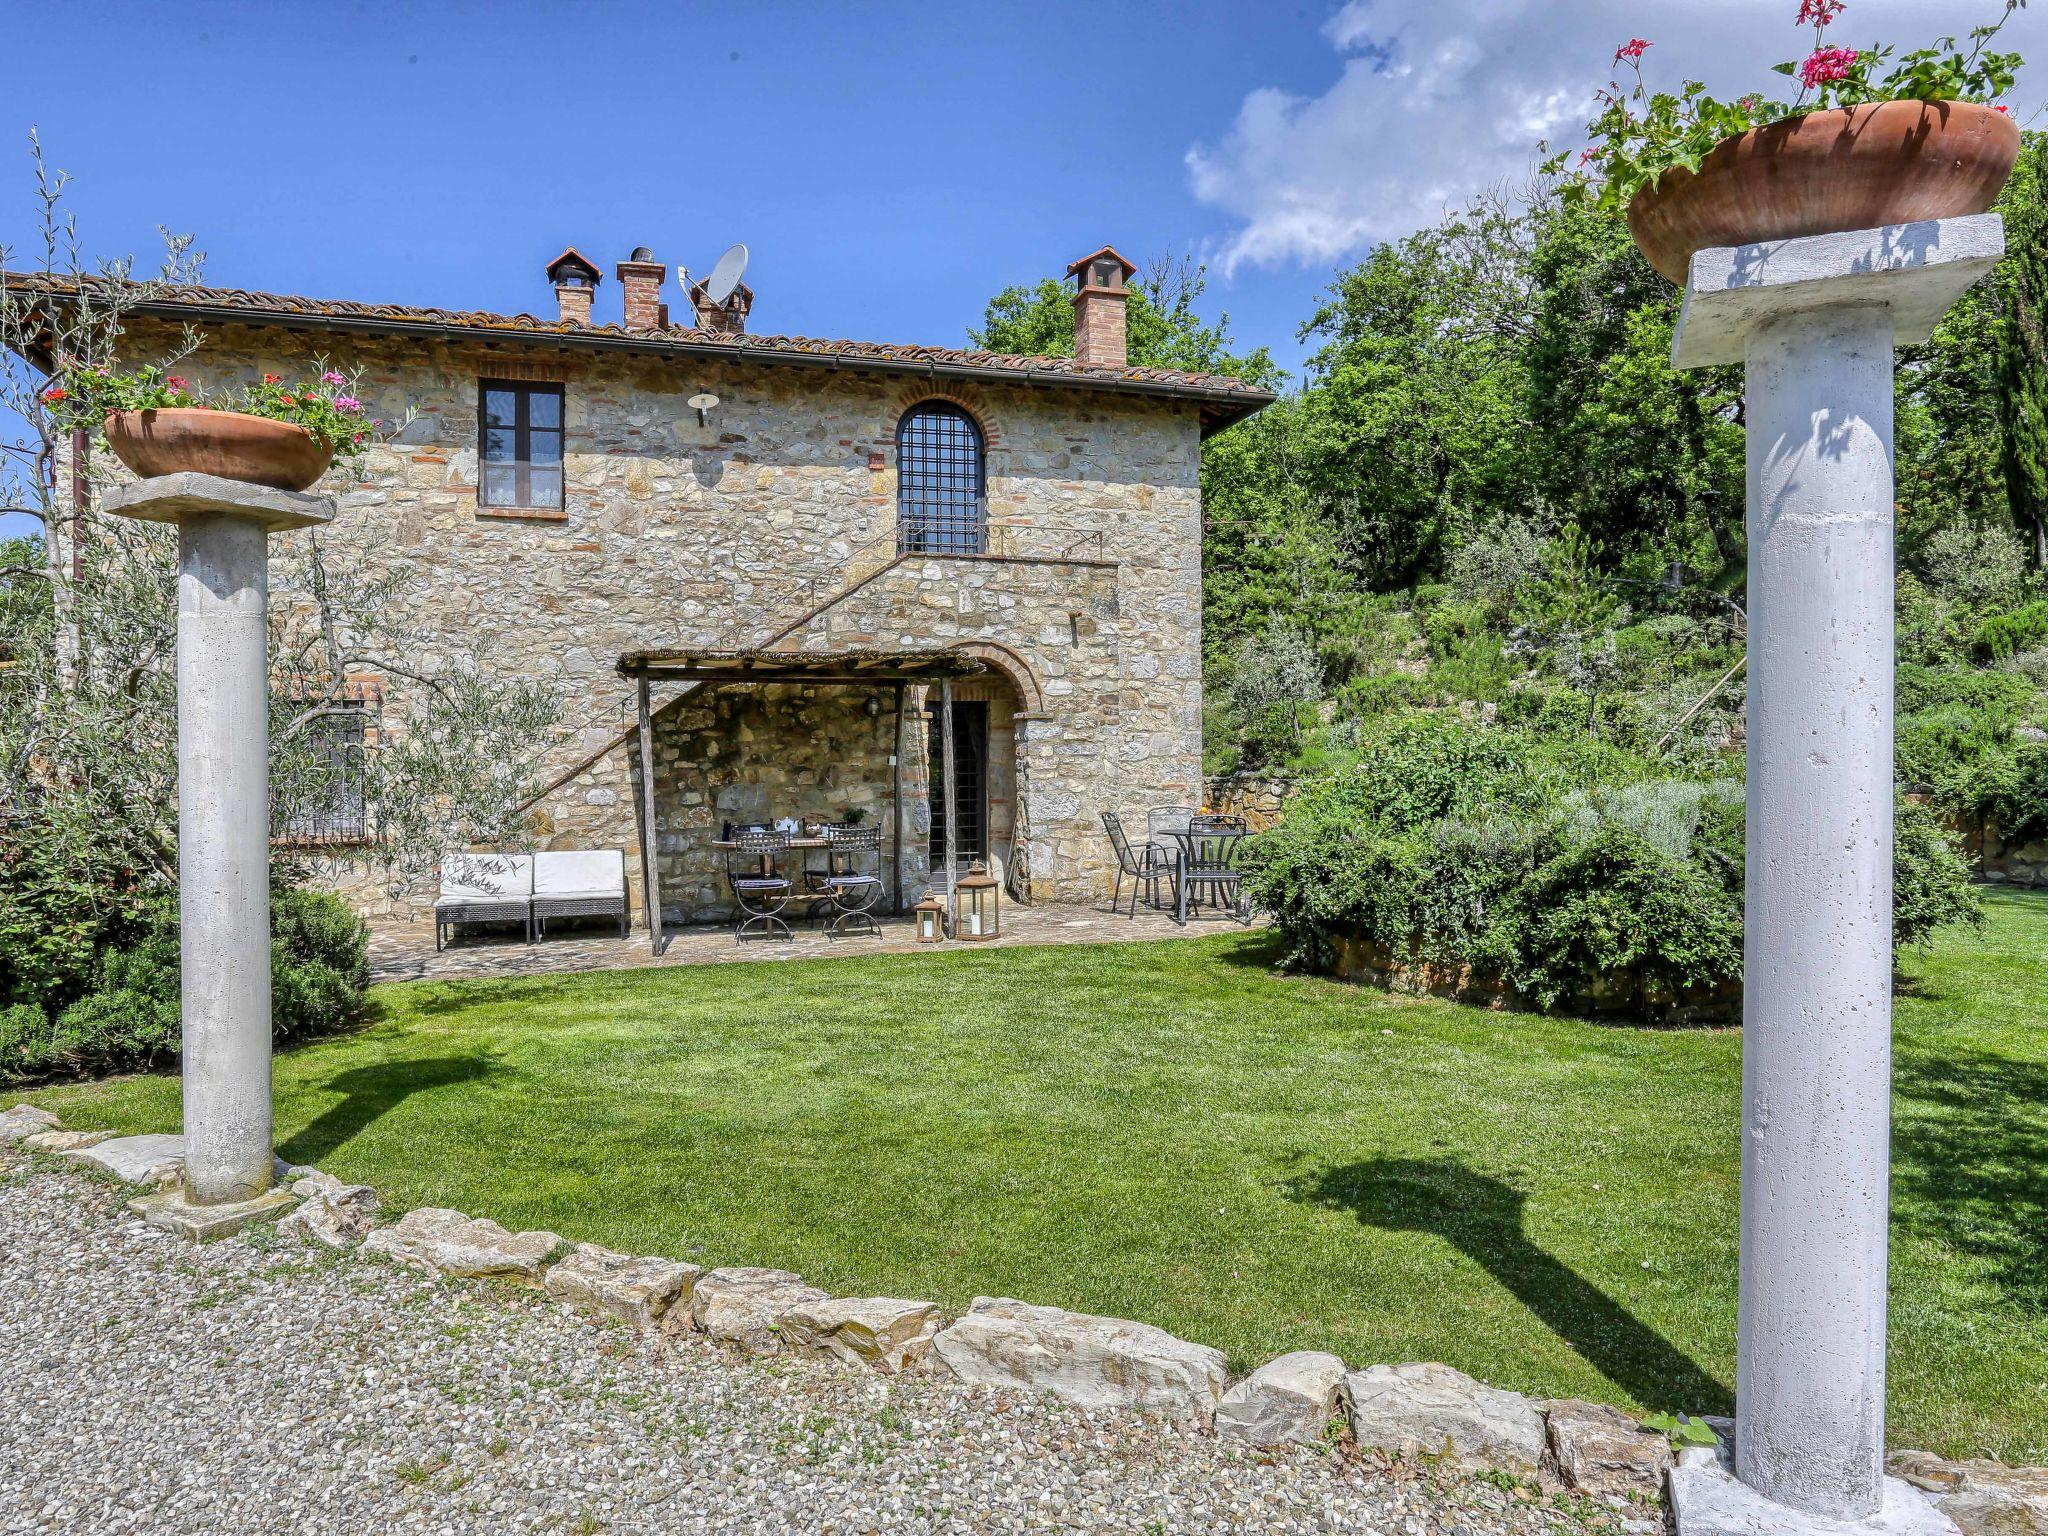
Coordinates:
(794, 844)
(1203, 855)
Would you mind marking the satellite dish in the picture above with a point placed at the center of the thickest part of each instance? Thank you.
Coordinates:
(703, 405)
(725, 276)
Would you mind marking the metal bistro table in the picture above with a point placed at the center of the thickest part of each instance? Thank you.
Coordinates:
(1206, 856)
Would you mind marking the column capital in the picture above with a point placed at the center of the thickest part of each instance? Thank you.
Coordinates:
(188, 494)
(1917, 271)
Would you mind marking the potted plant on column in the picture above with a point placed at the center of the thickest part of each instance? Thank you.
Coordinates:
(270, 433)
(1874, 138)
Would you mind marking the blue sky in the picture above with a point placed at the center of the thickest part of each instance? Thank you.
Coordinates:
(891, 165)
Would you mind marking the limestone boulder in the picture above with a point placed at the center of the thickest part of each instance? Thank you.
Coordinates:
(1983, 1498)
(449, 1243)
(880, 1333)
(746, 1306)
(153, 1160)
(1286, 1401)
(64, 1141)
(331, 1213)
(23, 1121)
(1432, 1410)
(1599, 1449)
(637, 1291)
(1095, 1362)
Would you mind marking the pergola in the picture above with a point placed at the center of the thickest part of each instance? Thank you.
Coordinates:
(893, 669)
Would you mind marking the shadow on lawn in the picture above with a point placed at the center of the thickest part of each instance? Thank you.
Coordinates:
(371, 1092)
(1971, 1166)
(1482, 1218)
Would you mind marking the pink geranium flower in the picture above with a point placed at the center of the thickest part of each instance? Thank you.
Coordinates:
(1825, 64)
(1631, 50)
(347, 403)
(1820, 13)
(331, 377)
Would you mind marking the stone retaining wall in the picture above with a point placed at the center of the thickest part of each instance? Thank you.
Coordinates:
(1621, 994)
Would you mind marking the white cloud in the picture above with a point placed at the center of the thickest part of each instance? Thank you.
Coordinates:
(1437, 100)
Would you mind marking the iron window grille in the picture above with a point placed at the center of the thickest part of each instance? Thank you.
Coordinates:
(333, 807)
(941, 483)
(519, 445)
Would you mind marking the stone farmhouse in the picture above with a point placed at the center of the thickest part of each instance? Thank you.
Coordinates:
(850, 517)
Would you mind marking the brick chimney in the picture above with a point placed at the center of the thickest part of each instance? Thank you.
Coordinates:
(640, 275)
(575, 277)
(1100, 295)
(730, 317)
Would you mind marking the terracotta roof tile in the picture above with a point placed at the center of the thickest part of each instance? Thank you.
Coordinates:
(1223, 399)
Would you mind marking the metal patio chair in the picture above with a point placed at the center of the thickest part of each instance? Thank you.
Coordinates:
(1146, 868)
(853, 895)
(759, 888)
(1207, 866)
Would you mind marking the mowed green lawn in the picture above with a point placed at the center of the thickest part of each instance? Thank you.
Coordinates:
(1169, 1131)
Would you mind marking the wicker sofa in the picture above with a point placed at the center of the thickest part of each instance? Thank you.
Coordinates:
(579, 884)
(529, 888)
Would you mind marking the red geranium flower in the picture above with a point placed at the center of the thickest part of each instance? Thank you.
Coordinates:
(271, 378)
(1825, 64)
(54, 394)
(1632, 49)
(1820, 13)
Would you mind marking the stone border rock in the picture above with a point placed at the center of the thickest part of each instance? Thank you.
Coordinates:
(1414, 1410)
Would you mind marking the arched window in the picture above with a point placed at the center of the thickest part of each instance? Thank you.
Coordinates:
(941, 485)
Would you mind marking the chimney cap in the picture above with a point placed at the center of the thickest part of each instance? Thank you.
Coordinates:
(641, 253)
(571, 266)
(1080, 269)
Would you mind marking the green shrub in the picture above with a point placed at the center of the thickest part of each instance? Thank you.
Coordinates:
(2005, 635)
(1975, 566)
(55, 917)
(1615, 903)
(130, 1017)
(319, 964)
(1554, 864)
(1931, 884)
(27, 1043)
(1939, 746)
(2011, 792)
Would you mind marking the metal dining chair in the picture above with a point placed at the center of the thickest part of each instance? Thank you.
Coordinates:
(1146, 869)
(1208, 864)
(759, 888)
(852, 894)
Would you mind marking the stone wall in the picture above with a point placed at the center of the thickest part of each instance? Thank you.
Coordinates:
(720, 535)
(2001, 862)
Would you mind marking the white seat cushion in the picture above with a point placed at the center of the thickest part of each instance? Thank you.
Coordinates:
(581, 874)
(486, 877)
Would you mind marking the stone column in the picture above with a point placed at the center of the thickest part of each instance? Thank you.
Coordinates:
(223, 833)
(1815, 322)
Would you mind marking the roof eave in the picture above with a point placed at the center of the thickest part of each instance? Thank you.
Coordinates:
(1219, 408)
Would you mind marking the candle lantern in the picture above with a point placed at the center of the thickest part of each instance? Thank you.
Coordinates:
(979, 895)
(930, 915)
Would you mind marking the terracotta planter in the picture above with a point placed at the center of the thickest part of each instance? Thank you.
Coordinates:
(1890, 162)
(224, 443)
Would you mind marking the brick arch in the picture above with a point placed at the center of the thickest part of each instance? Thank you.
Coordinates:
(952, 392)
(1012, 668)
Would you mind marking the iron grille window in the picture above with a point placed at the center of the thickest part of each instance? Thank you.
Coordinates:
(941, 487)
(519, 445)
(332, 809)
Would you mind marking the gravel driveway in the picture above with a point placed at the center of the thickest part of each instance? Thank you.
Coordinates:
(252, 1386)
